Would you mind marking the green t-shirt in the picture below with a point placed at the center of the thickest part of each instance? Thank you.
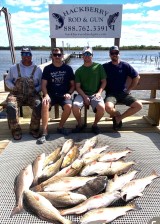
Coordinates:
(90, 78)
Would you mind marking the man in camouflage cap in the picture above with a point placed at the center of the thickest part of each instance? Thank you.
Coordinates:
(24, 82)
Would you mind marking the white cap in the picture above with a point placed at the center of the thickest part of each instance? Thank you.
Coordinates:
(87, 49)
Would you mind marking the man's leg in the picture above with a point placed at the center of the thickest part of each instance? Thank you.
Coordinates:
(76, 109)
(36, 105)
(134, 108)
(65, 114)
(13, 118)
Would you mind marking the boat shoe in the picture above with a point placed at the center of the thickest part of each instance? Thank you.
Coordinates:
(17, 133)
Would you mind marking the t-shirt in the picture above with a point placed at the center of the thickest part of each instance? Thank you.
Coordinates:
(58, 79)
(117, 76)
(90, 78)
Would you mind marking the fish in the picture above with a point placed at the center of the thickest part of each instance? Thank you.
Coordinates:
(52, 157)
(93, 187)
(119, 181)
(113, 155)
(71, 170)
(70, 156)
(67, 146)
(106, 168)
(95, 167)
(60, 199)
(37, 167)
(59, 19)
(93, 154)
(135, 187)
(96, 201)
(62, 183)
(89, 143)
(43, 208)
(106, 215)
(111, 20)
(22, 182)
(50, 170)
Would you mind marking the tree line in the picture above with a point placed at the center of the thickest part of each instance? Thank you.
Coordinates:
(97, 47)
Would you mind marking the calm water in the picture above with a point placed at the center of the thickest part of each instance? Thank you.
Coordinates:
(141, 60)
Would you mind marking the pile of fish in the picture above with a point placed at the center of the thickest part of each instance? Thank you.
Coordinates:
(81, 180)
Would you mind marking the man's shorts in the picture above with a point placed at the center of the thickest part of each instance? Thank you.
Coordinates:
(78, 101)
(60, 100)
(122, 97)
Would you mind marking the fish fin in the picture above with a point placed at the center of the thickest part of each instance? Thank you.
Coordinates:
(16, 210)
(127, 148)
(155, 173)
(115, 177)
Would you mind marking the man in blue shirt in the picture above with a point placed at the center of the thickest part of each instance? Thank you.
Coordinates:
(118, 72)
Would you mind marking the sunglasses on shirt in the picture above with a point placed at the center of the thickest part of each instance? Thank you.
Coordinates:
(57, 55)
(26, 54)
(87, 54)
(114, 53)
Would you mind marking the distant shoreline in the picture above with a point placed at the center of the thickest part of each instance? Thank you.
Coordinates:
(99, 47)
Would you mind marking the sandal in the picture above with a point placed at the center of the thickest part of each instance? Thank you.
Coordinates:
(17, 134)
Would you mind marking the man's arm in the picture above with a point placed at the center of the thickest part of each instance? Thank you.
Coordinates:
(133, 84)
(103, 85)
(80, 91)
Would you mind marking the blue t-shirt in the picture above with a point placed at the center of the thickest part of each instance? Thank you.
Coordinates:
(58, 79)
(117, 76)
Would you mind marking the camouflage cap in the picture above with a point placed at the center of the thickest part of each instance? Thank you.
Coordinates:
(26, 50)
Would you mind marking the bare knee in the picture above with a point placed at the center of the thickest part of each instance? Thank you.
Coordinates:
(137, 105)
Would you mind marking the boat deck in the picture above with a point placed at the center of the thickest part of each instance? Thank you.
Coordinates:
(131, 124)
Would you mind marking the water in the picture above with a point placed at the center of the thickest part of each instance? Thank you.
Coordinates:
(142, 61)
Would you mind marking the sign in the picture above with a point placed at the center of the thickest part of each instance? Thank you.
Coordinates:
(85, 21)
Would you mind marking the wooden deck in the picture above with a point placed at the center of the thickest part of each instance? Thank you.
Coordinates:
(130, 124)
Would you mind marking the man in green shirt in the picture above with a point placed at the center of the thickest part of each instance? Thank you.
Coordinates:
(90, 81)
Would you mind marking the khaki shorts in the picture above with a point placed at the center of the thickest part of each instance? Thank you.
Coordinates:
(78, 101)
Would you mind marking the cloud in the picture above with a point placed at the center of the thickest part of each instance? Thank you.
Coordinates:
(152, 3)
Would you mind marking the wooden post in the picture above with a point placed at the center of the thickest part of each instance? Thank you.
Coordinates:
(53, 43)
(117, 42)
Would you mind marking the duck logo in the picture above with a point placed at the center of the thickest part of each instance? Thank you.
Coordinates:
(111, 20)
(59, 20)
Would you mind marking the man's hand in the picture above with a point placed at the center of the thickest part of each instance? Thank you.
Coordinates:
(46, 100)
(67, 96)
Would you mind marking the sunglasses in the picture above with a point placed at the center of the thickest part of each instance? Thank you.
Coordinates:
(57, 55)
(114, 53)
(87, 54)
(26, 54)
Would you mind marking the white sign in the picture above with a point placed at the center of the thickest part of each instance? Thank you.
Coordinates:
(85, 21)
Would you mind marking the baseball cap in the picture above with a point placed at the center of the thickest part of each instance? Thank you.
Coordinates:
(114, 48)
(87, 49)
(26, 50)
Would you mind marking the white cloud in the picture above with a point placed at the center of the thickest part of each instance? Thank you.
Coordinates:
(152, 3)
(132, 6)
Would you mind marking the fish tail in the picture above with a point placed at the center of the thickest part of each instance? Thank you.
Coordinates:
(16, 210)
(154, 173)
(133, 205)
(37, 188)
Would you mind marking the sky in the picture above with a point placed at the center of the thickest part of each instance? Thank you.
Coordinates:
(30, 23)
